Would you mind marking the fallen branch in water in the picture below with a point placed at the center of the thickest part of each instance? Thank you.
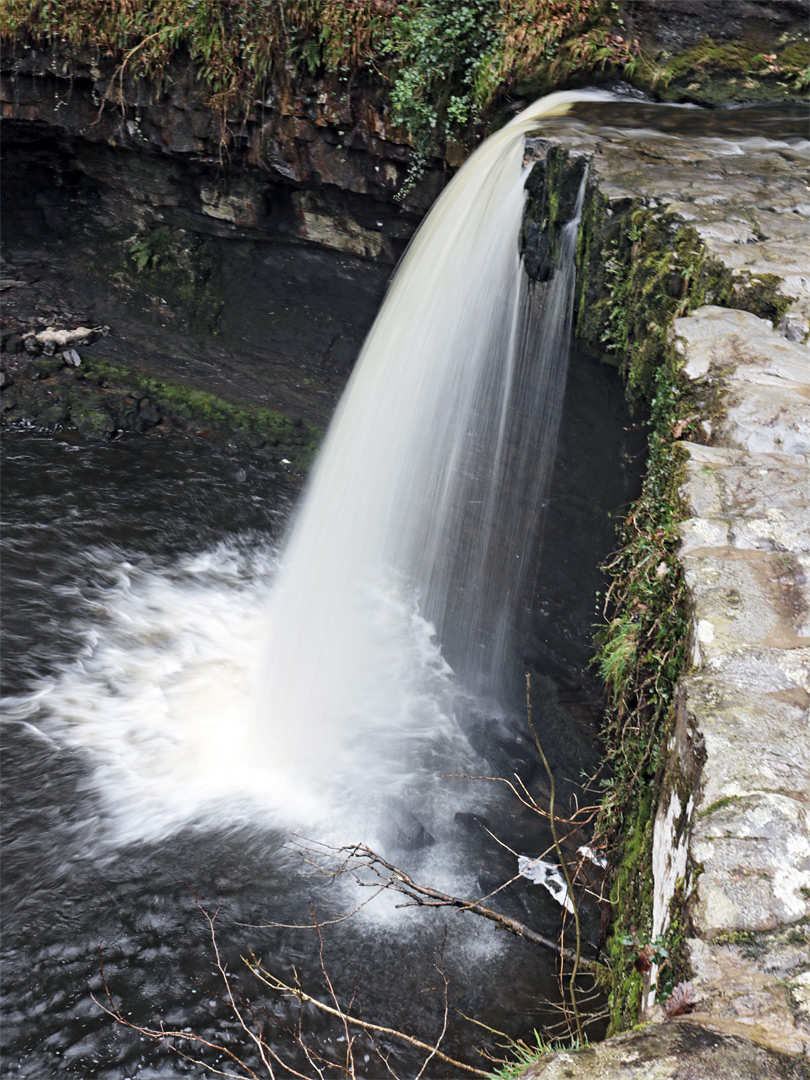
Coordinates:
(348, 1020)
(356, 858)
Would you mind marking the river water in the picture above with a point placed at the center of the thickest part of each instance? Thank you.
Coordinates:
(138, 571)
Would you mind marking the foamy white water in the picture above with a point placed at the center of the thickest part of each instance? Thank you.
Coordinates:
(319, 693)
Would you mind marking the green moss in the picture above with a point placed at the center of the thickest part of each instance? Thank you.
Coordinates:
(631, 902)
(750, 943)
(96, 369)
(48, 365)
(255, 426)
(656, 270)
(718, 73)
(92, 421)
(734, 56)
(719, 804)
(759, 293)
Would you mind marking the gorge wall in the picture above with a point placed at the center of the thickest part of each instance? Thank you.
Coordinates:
(700, 248)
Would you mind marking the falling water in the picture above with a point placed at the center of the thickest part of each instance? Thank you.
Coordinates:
(425, 499)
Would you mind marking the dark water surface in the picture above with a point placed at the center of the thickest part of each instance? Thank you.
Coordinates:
(95, 536)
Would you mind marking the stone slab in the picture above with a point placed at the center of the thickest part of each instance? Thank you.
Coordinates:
(680, 1050)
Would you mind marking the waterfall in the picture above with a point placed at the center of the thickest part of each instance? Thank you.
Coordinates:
(344, 672)
(412, 536)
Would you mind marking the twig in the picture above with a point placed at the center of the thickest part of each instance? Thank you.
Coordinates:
(426, 896)
(297, 992)
(162, 1035)
(562, 862)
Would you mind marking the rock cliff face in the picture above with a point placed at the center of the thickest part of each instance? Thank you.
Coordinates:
(270, 241)
(728, 853)
(675, 25)
(322, 165)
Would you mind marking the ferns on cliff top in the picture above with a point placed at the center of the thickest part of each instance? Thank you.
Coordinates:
(443, 60)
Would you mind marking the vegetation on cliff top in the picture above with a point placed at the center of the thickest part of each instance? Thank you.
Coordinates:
(444, 65)
(442, 61)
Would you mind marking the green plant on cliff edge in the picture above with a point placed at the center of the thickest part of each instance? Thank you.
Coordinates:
(527, 1054)
(641, 269)
(641, 653)
(437, 47)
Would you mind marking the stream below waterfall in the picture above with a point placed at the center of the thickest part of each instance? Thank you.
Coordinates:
(164, 551)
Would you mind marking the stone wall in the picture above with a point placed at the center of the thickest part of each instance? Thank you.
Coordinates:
(730, 851)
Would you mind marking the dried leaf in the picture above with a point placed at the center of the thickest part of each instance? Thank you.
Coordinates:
(680, 426)
(680, 1001)
(643, 961)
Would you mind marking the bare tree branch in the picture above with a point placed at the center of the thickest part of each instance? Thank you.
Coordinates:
(279, 986)
(358, 857)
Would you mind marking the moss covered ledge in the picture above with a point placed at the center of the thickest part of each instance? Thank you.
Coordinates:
(103, 398)
(694, 279)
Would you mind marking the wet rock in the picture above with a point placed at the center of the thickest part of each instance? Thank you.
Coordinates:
(5, 380)
(55, 414)
(148, 414)
(127, 418)
(676, 1050)
(402, 830)
(11, 341)
(93, 422)
(470, 823)
(48, 365)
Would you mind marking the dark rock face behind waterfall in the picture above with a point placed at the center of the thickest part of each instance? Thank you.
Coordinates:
(323, 167)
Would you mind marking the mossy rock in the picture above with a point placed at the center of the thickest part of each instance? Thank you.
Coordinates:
(261, 429)
(93, 423)
(48, 365)
(55, 414)
(724, 72)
